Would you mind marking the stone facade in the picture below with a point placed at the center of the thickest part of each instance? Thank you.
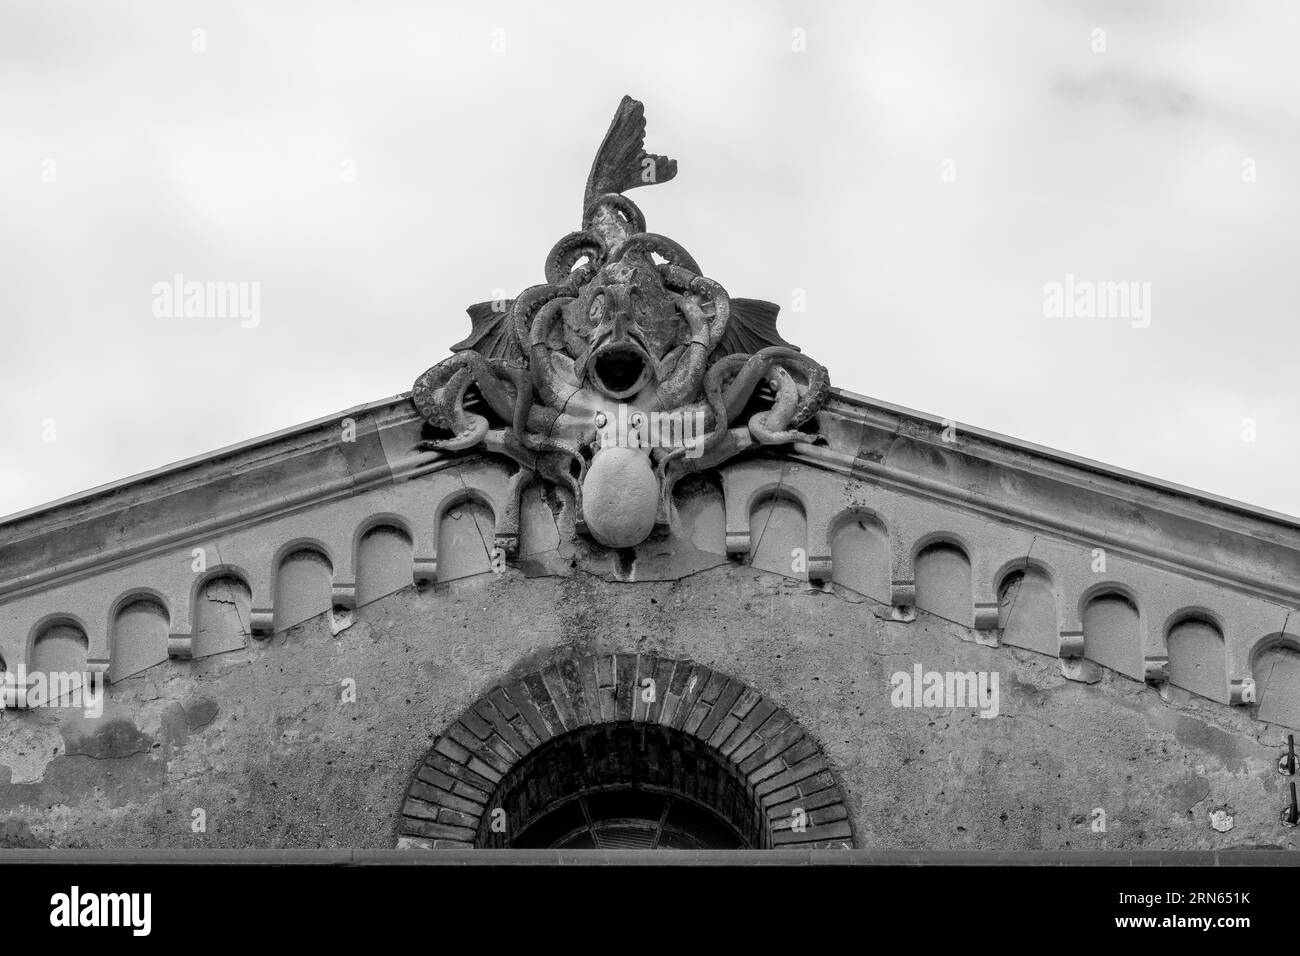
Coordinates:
(1121, 689)
(462, 617)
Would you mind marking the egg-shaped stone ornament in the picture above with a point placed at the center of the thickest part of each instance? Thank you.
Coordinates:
(620, 497)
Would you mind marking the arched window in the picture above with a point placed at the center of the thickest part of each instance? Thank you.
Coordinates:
(576, 792)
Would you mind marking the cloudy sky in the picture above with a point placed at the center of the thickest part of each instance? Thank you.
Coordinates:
(921, 171)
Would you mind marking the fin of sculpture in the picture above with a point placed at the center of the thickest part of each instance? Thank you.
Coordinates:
(752, 328)
(621, 162)
(490, 332)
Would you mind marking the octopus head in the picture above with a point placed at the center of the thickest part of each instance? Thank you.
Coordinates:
(624, 322)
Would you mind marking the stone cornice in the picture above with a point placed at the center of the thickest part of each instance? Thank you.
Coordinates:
(1180, 529)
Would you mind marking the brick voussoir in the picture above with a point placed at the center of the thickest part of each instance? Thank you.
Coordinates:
(461, 735)
(479, 727)
(752, 721)
(721, 708)
(698, 713)
(501, 701)
(831, 831)
(772, 749)
(453, 751)
(778, 723)
(519, 696)
(503, 727)
(457, 818)
(483, 751)
(823, 815)
(420, 808)
(800, 751)
(779, 807)
(606, 689)
(470, 793)
(590, 687)
(445, 799)
(772, 767)
(540, 695)
(437, 778)
(645, 673)
(663, 678)
(486, 772)
(625, 681)
(691, 693)
(437, 831)
(560, 697)
(796, 773)
(723, 730)
(717, 682)
(438, 762)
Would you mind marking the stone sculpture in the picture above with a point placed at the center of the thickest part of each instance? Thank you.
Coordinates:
(624, 370)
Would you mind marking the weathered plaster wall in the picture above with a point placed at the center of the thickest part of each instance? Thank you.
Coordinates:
(260, 740)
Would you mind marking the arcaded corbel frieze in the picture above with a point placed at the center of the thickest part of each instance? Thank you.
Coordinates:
(737, 485)
(902, 586)
(1155, 668)
(821, 517)
(425, 568)
(180, 647)
(1071, 643)
(343, 594)
(98, 665)
(1241, 691)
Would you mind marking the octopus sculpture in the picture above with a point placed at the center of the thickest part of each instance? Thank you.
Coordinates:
(626, 369)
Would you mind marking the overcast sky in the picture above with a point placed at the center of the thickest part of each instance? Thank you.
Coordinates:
(920, 170)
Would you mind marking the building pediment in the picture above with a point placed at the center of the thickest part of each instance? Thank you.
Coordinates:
(912, 481)
(654, 582)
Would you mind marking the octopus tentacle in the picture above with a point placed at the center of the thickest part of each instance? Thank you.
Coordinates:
(440, 397)
(559, 263)
(682, 385)
(547, 384)
(646, 243)
(690, 282)
(770, 427)
(633, 219)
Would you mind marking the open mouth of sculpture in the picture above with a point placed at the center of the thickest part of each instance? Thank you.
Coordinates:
(620, 370)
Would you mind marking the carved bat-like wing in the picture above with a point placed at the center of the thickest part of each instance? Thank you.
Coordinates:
(620, 162)
(750, 328)
(491, 336)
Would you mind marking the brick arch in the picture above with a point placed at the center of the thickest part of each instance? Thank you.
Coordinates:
(781, 766)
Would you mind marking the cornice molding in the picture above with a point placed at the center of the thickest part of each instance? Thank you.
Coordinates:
(1004, 479)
